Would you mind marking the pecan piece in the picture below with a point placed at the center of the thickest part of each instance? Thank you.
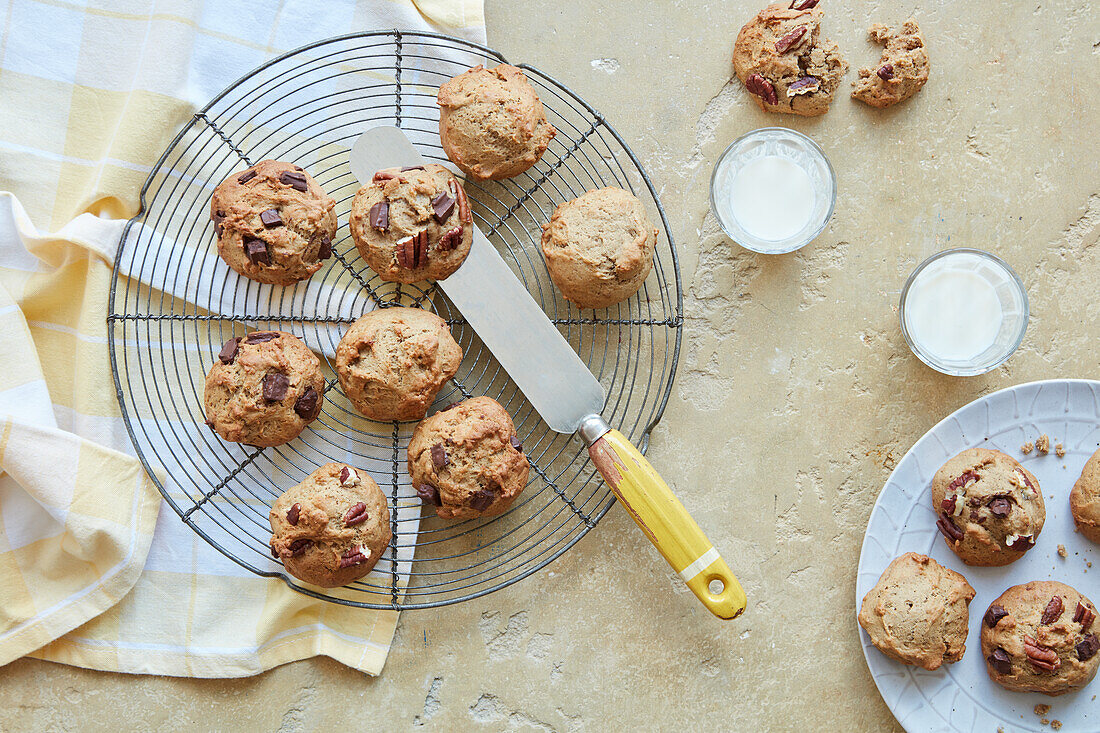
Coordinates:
(994, 615)
(886, 72)
(1019, 541)
(1041, 657)
(1084, 616)
(412, 253)
(1087, 647)
(356, 555)
(805, 85)
(964, 481)
(762, 88)
(1000, 661)
(299, 546)
(383, 176)
(802, 4)
(428, 494)
(293, 513)
(450, 239)
(439, 455)
(947, 506)
(950, 531)
(1053, 611)
(790, 39)
(463, 202)
(356, 515)
(349, 477)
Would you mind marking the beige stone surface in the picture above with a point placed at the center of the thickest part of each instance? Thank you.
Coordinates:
(795, 394)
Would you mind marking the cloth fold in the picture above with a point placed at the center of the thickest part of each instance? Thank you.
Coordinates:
(101, 577)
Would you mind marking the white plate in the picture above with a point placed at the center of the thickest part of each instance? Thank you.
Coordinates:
(960, 696)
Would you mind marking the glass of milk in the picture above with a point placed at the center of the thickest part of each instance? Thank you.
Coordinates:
(773, 190)
(963, 312)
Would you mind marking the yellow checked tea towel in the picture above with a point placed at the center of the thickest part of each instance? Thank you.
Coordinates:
(98, 573)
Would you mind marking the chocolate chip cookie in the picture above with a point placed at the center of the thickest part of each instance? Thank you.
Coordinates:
(264, 389)
(783, 61)
(1039, 637)
(902, 70)
(1084, 499)
(332, 528)
(466, 461)
(392, 362)
(274, 223)
(412, 224)
(599, 247)
(918, 612)
(990, 508)
(491, 122)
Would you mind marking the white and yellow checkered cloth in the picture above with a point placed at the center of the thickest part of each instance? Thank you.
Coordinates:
(91, 92)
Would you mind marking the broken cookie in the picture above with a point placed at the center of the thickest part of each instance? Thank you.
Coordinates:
(902, 70)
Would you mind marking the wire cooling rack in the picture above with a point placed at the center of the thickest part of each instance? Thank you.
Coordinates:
(173, 303)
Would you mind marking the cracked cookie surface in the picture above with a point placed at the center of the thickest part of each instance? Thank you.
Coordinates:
(412, 224)
(1041, 637)
(902, 70)
(917, 613)
(273, 222)
(783, 61)
(332, 528)
(989, 508)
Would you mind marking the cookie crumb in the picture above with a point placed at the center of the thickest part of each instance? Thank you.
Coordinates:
(1055, 724)
(1041, 709)
(1062, 551)
(1042, 444)
(1060, 450)
(1044, 721)
(1027, 447)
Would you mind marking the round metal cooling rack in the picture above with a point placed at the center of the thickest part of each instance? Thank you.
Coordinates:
(173, 303)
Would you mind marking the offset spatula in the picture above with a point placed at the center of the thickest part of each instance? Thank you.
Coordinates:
(566, 394)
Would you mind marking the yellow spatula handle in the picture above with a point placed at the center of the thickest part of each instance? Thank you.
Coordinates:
(667, 523)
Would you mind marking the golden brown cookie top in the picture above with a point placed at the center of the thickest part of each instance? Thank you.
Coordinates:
(393, 361)
(467, 461)
(918, 612)
(901, 71)
(1041, 637)
(274, 223)
(264, 389)
(331, 528)
(492, 123)
(1084, 499)
(990, 508)
(599, 247)
(412, 224)
(785, 63)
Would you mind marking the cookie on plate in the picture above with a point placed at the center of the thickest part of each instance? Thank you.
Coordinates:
(902, 70)
(392, 362)
(990, 508)
(274, 223)
(917, 613)
(599, 247)
(1040, 637)
(467, 461)
(332, 528)
(412, 224)
(1084, 499)
(785, 63)
(491, 122)
(264, 389)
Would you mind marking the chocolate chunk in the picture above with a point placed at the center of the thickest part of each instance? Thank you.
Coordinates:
(258, 337)
(950, 531)
(802, 4)
(412, 168)
(210, 424)
(1000, 507)
(299, 168)
(308, 404)
(439, 455)
(229, 351)
(1053, 611)
(325, 250)
(442, 205)
(805, 85)
(762, 88)
(1000, 661)
(380, 215)
(247, 176)
(886, 72)
(273, 553)
(292, 514)
(218, 217)
(994, 614)
(516, 444)
(256, 249)
(428, 494)
(296, 179)
(356, 515)
(481, 500)
(219, 229)
(275, 386)
(790, 39)
(1087, 647)
(271, 218)
(974, 501)
(450, 239)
